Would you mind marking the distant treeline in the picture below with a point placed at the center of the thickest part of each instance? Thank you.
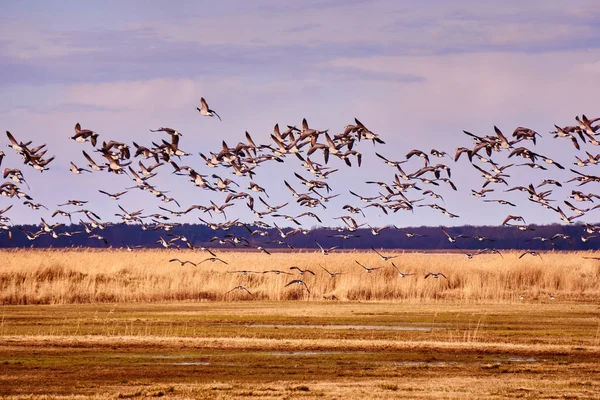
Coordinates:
(426, 238)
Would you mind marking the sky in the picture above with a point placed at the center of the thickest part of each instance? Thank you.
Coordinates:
(416, 73)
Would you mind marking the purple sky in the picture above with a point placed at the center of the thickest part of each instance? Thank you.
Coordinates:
(415, 73)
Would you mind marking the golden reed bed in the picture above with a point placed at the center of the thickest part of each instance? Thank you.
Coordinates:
(90, 276)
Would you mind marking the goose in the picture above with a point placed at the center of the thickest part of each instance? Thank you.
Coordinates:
(63, 213)
(92, 164)
(239, 287)
(204, 110)
(331, 274)
(401, 274)
(170, 131)
(532, 253)
(15, 175)
(298, 282)
(325, 251)
(213, 259)
(76, 203)
(243, 272)
(501, 202)
(255, 188)
(513, 217)
(113, 196)
(384, 258)
(302, 271)
(76, 170)
(33, 206)
(276, 272)
(84, 135)
(451, 238)
(101, 238)
(263, 250)
(182, 263)
(481, 193)
(367, 270)
(418, 153)
(435, 275)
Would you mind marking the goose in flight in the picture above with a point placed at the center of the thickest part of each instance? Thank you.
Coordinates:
(367, 270)
(114, 196)
(401, 274)
(331, 274)
(84, 135)
(325, 251)
(533, 253)
(76, 170)
(435, 275)
(302, 271)
(384, 258)
(182, 263)
(298, 282)
(204, 110)
(212, 259)
(240, 287)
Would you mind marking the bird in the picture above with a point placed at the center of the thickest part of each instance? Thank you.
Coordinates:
(298, 282)
(325, 251)
(435, 275)
(213, 259)
(240, 287)
(205, 110)
(533, 253)
(182, 263)
(401, 274)
(302, 271)
(384, 258)
(331, 274)
(367, 270)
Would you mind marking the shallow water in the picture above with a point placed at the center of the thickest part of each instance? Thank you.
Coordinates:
(345, 327)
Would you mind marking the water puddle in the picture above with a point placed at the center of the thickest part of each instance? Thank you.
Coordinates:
(345, 327)
(424, 363)
(522, 359)
(189, 363)
(305, 353)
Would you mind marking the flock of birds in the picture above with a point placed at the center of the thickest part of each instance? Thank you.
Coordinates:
(314, 149)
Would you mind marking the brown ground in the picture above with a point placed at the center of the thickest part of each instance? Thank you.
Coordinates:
(281, 350)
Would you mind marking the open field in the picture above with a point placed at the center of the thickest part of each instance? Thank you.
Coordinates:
(96, 276)
(116, 324)
(296, 349)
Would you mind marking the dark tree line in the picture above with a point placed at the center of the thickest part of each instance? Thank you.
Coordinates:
(425, 238)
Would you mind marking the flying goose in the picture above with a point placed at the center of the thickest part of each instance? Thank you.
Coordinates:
(384, 258)
(533, 253)
(435, 275)
(113, 196)
(325, 251)
(298, 282)
(76, 170)
(331, 274)
(182, 263)
(84, 135)
(367, 270)
(401, 274)
(213, 259)
(302, 271)
(204, 110)
(240, 287)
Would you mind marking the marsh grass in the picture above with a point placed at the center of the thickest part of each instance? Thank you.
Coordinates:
(118, 276)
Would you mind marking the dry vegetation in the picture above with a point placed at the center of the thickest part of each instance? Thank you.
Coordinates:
(291, 349)
(92, 276)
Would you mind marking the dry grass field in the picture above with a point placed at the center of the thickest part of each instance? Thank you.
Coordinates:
(92, 276)
(115, 324)
(118, 276)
